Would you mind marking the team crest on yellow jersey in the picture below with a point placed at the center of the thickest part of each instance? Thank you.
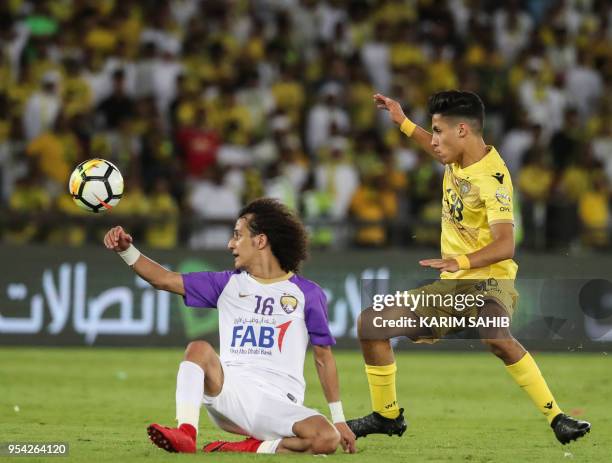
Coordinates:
(463, 185)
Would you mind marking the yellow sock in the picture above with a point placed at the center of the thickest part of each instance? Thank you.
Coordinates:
(382, 389)
(527, 375)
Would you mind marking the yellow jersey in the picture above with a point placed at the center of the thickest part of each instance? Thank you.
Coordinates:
(474, 198)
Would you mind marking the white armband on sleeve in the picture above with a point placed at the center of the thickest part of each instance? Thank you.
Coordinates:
(337, 413)
(130, 255)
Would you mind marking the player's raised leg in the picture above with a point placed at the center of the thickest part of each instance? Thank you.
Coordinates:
(387, 417)
(525, 372)
(199, 372)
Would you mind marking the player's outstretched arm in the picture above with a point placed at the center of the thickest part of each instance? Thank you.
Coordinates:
(328, 376)
(501, 248)
(159, 277)
(421, 136)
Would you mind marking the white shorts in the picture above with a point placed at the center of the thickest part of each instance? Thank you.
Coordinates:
(245, 407)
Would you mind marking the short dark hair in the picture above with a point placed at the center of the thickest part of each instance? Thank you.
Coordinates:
(455, 103)
(286, 233)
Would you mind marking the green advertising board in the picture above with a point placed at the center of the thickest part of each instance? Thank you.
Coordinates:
(88, 296)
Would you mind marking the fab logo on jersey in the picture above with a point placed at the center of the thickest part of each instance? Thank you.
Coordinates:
(263, 337)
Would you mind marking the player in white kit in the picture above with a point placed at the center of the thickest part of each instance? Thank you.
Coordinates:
(267, 317)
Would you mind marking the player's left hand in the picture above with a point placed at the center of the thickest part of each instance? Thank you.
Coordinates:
(444, 265)
(347, 438)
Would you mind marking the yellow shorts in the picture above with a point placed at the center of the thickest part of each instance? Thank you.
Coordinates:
(446, 301)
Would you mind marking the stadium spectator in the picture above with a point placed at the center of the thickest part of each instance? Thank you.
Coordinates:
(43, 106)
(121, 59)
(594, 213)
(535, 182)
(561, 52)
(198, 144)
(279, 186)
(567, 141)
(338, 176)
(118, 106)
(144, 67)
(289, 94)
(56, 151)
(517, 142)
(77, 94)
(258, 100)
(584, 85)
(165, 72)
(574, 181)
(29, 196)
(375, 56)
(324, 118)
(359, 99)
(537, 95)
(373, 201)
(316, 207)
(224, 206)
(164, 210)
(232, 118)
(513, 28)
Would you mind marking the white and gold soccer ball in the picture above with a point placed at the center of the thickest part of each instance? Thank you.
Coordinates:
(96, 185)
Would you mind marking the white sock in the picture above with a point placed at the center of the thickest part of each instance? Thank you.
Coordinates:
(189, 393)
(268, 446)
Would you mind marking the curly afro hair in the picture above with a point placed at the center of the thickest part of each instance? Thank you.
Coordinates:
(286, 233)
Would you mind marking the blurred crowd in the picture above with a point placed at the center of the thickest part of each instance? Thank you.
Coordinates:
(204, 105)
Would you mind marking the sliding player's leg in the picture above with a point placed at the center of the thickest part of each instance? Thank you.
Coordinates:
(525, 372)
(200, 372)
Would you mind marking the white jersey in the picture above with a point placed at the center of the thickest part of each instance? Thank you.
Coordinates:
(264, 325)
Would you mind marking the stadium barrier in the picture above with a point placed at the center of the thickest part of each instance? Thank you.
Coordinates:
(88, 296)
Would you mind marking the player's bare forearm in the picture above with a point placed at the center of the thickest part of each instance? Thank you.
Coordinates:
(159, 277)
(328, 374)
(421, 136)
(501, 248)
(494, 252)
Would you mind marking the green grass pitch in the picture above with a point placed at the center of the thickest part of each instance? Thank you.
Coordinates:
(460, 406)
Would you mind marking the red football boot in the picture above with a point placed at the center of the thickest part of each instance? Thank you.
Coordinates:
(181, 439)
(249, 445)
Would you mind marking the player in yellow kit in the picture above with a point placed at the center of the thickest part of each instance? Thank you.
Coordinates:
(477, 244)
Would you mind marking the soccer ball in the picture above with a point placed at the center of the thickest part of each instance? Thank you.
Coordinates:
(96, 185)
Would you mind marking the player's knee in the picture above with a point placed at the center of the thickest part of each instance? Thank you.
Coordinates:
(364, 320)
(498, 347)
(199, 352)
(326, 441)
